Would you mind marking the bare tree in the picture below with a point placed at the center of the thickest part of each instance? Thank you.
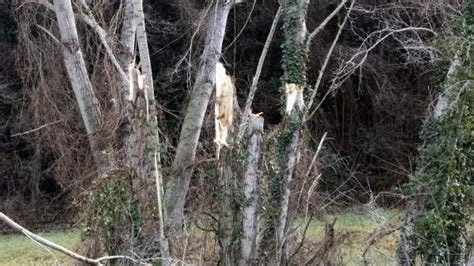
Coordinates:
(78, 76)
(182, 167)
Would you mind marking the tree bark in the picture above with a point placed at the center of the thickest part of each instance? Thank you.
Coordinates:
(153, 145)
(77, 72)
(406, 251)
(182, 167)
(273, 246)
(250, 205)
(227, 209)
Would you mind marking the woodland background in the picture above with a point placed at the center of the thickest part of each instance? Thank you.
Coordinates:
(372, 117)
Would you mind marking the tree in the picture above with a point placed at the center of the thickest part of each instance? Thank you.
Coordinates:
(436, 218)
(183, 163)
(140, 137)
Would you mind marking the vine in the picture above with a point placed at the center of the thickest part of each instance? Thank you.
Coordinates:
(445, 159)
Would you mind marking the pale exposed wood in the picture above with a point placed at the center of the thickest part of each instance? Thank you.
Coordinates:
(180, 177)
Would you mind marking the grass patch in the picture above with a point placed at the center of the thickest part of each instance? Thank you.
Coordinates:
(353, 231)
(16, 249)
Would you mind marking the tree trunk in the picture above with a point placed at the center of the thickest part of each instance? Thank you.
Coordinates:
(406, 252)
(153, 145)
(182, 167)
(249, 209)
(273, 245)
(77, 72)
(227, 209)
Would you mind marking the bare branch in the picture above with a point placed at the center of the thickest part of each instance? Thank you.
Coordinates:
(36, 129)
(324, 23)
(253, 87)
(59, 248)
(359, 58)
(325, 64)
(89, 20)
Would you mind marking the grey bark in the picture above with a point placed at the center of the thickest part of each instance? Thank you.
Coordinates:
(77, 72)
(227, 211)
(182, 167)
(250, 204)
(127, 54)
(288, 170)
(153, 146)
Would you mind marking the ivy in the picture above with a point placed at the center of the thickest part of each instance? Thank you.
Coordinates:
(111, 212)
(445, 160)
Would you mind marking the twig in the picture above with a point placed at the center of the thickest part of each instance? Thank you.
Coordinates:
(323, 24)
(323, 68)
(61, 249)
(326, 245)
(377, 236)
(316, 154)
(36, 129)
(253, 87)
(308, 222)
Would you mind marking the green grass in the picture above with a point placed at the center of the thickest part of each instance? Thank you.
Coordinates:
(19, 250)
(353, 230)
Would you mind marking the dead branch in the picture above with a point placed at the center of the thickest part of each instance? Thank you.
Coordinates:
(324, 23)
(253, 87)
(326, 245)
(62, 249)
(36, 129)
(323, 68)
(377, 235)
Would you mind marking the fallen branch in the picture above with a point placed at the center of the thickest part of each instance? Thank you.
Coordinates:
(61, 249)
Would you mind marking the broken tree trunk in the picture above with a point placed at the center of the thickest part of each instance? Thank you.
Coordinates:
(273, 246)
(250, 203)
(182, 167)
(153, 145)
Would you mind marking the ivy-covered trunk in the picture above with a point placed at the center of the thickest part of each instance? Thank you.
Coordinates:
(273, 246)
(435, 226)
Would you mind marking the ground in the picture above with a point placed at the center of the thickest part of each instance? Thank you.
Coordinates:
(354, 231)
(20, 250)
